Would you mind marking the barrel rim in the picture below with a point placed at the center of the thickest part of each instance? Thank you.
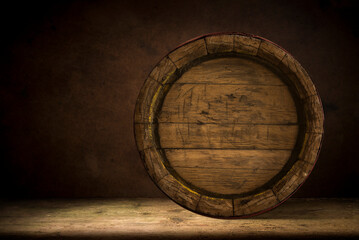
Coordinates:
(145, 123)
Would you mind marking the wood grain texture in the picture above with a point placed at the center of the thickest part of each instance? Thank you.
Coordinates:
(146, 101)
(289, 183)
(246, 45)
(228, 125)
(219, 43)
(178, 192)
(209, 103)
(188, 53)
(160, 218)
(302, 168)
(163, 70)
(142, 137)
(228, 159)
(227, 171)
(153, 161)
(226, 180)
(299, 78)
(270, 52)
(313, 114)
(311, 147)
(231, 70)
(254, 204)
(216, 207)
(233, 136)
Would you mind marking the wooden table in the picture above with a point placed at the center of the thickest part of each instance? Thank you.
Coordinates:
(163, 219)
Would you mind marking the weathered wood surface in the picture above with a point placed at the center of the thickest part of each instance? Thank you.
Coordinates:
(184, 196)
(210, 103)
(215, 206)
(231, 70)
(227, 180)
(270, 52)
(229, 136)
(219, 158)
(219, 43)
(154, 164)
(162, 219)
(299, 78)
(229, 125)
(246, 45)
(227, 172)
(256, 203)
(161, 72)
(146, 101)
(314, 114)
(188, 53)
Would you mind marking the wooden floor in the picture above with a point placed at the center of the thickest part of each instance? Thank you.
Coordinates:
(163, 219)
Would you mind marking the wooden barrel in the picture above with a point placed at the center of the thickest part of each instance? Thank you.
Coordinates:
(229, 125)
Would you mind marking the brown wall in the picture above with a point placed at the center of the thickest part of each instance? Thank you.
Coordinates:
(71, 73)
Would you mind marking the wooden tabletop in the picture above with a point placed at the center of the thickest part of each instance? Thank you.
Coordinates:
(161, 218)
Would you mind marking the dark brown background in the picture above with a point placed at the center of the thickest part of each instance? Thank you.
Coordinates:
(71, 72)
